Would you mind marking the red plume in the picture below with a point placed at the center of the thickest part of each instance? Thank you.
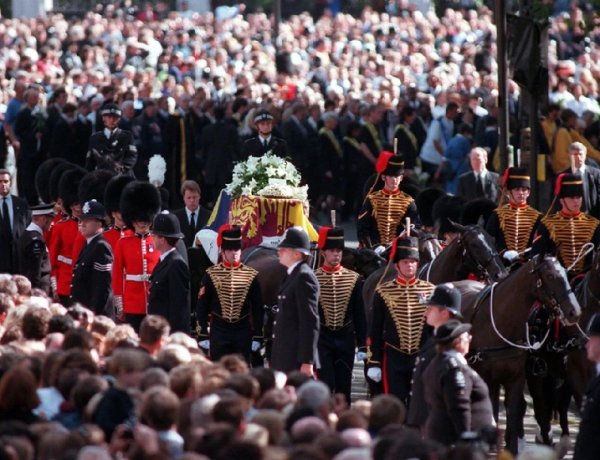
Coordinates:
(393, 251)
(382, 161)
(505, 177)
(222, 228)
(323, 232)
(558, 184)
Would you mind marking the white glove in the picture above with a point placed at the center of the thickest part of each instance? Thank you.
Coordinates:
(255, 345)
(204, 344)
(510, 256)
(118, 305)
(374, 373)
(361, 356)
(379, 250)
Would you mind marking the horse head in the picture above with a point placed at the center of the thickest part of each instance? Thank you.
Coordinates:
(480, 252)
(361, 260)
(553, 288)
(429, 246)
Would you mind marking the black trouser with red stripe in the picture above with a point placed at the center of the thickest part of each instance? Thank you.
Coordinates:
(397, 370)
(336, 355)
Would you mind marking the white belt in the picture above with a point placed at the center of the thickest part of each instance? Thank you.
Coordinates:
(65, 260)
(137, 277)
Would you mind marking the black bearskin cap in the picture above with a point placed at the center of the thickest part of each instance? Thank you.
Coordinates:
(477, 212)
(42, 178)
(113, 191)
(425, 202)
(445, 209)
(68, 187)
(55, 175)
(93, 185)
(139, 201)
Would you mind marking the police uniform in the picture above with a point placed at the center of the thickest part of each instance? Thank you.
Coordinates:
(230, 296)
(513, 225)
(34, 262)
(255, 146)
(114, 150)
(457, 396)
(566, 233)
(342, 317)
(92, 272)
(396, 334)
(382, 216)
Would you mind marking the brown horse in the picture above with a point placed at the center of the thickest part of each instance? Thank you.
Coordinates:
(499, 317)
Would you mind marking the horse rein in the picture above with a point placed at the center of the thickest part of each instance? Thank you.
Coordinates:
(481, 269)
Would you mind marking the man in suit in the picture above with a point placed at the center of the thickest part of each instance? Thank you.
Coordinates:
(92, 274)
(14, 217)
(170, 281)
(590, 177)
(587, 446)
(296, 137)
(34, 262)
(296, 325)
(265, 141)
(192, 217)
(478, 183)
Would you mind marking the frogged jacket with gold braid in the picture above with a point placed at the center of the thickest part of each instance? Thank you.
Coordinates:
(398, 317)
(513, 227)
(340, 302)
(382, 217)
(567, 234)
(231, 296)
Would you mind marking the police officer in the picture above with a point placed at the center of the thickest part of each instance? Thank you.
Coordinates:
(34, 262)
(567, 230)
(230, 294)
(265, 141)
(513, 225)
(342, 314)
(112, 148)
(398, 321)
(457, 396)
(170, 281)
(92, 273)
(443, 305)
(384, 211)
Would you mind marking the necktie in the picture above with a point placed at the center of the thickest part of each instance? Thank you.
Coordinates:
(479, 185)
(7, 230)
(192, 221)
(266, 143)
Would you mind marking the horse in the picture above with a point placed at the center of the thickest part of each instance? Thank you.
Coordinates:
(499, 316)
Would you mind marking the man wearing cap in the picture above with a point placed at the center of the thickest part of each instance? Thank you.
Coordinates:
(443, 305)
(396, 333)
(170, 281)
(513, 225)
(265, 141)
(587, 446)
(34, 262)
(112, 148)
(341, 312)
(92, 273)
(382, 217)
(296, 324)
(567, 230)
(230, 294)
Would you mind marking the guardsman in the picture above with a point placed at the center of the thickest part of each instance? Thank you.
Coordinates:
(66, 240)
(112, 148)
(341, 312)
(34, 262)
(136, 254)
(568, 230)
(230, 295)
(112, 204)
(396, 333)
(384, 211)
(513, 225)
(92, 272)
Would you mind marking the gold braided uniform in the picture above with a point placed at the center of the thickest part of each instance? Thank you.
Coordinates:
(382, 217)
(334, 298)
(513, 227)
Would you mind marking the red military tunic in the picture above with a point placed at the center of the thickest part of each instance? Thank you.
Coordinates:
(48, 234)
(66, 244)
(135, 258)
(114, 234)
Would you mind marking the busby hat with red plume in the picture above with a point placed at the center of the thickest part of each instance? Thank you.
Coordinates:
(331, 238)
(516, 177)
(568, 185)
(389, 164)
(229, 237)
(404, 248)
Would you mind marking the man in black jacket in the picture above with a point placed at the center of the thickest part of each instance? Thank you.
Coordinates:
(14, 217)
(265, 141)
(92, 274)
(478, 183)
(296, 326)
(590, 177)
(192, 217)
(170, 281)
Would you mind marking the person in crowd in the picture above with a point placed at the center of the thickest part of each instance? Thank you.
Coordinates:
(15, 216)
(479, 182)
(265, 141)
(440, 131)
(192, 217)
(590, 177)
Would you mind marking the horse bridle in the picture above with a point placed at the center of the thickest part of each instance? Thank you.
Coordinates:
(548, 295)
(481, 268)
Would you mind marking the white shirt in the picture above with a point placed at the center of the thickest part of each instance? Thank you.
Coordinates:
(436, 133)
(580, 171)
(33, 227)
(291, 267)
(189, 215)
(165, 254)
(263, 139)
(89, 240)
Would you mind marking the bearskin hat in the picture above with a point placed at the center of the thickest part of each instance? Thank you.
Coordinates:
(446, 209)
(139, 201)
(93, 185)
(42, 178)
(112, 193)
(477, 212)
(55, 175)
(68, 187)
(425, 202)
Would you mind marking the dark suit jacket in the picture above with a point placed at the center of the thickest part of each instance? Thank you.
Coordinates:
(587, 446)
(467, 187)
(170, 292)
(254, 148)
(92, 277)
(591, 190)
(9, 262)
(296, 327)
(296, 138)
(202, 216)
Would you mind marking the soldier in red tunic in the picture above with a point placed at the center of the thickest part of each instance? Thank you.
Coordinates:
(112, 203)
